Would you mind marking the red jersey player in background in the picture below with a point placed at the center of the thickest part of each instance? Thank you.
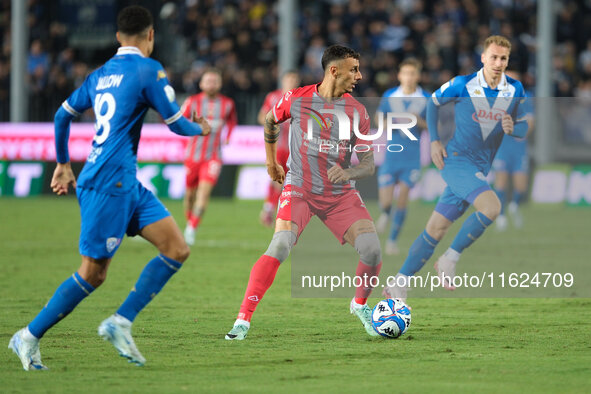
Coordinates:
(320, 180)
(204, 160)
(290, 80)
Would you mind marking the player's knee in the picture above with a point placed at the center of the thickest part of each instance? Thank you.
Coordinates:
(281, 245)
(95, 278)
(178, 252)
(182, 253)
(368, 247)
(492, 211)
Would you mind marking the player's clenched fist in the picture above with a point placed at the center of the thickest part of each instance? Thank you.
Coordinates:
(276, 172)
(63, 177)
(507, 124)
(201, 121)
(337, 175)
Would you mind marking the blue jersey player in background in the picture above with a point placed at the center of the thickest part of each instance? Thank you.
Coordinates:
(511, 164)
(112, 201)
(486, 104)
(402, 168)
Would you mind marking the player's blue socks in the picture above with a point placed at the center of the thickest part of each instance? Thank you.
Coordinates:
(472, 228)
(154, 276)
(397, 222)
(419, 253)
(64, 300)
(518, 197)
(386, 210)
(502, 194)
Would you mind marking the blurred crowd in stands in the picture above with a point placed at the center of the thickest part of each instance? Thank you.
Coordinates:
(240, 37)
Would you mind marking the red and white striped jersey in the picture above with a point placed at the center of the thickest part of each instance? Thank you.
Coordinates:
(312, 154)
(270, 100)
(219, 111)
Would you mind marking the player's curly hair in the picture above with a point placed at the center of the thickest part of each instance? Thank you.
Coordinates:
(134, 20)
(337, 52)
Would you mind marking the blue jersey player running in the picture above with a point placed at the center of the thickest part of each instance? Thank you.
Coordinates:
(486, 102)
(511, 164)
(112, 201)
(402, 168)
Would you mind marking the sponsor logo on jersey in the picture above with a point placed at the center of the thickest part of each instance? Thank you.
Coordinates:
(480, 176)
(161, 75)
(484, 116)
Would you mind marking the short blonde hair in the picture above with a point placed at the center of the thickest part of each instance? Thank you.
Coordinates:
(411, 61)
(498, 40)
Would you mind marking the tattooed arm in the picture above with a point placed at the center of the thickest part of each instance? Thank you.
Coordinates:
(271, 128)
(366, 167)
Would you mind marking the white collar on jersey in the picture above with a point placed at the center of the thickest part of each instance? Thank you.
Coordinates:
(502, 83)
(398, 93)
(129, 51)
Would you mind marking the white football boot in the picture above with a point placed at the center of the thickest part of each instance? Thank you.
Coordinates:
(382, 223)
(446, 269)
(117, 330)
(26, 347)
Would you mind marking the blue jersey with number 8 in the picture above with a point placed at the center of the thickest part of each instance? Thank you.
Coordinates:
(120, 92)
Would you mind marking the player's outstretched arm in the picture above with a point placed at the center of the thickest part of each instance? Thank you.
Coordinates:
(271, 128)
(366, 167)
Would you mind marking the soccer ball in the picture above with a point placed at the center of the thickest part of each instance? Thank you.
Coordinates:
(390, 318)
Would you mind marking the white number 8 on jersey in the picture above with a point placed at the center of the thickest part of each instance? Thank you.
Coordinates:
(102, 120)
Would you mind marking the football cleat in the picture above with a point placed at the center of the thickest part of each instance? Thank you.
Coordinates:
(237, 333)
(392, 248)
(396, 291)
(189, 235)
(446, 269)
(516, 216)
(26, 347)
(501, 223)
(363, 312)
(117, 330)
(382, 222)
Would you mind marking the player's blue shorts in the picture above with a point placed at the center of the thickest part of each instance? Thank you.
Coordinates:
(511, 156)
(511, 164)
(464, 183)
(106, 218)
(389, 174)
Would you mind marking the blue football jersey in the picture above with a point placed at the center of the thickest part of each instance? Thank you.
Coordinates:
(120, 92)
(478, 113)
(393, 100)
(512, 146)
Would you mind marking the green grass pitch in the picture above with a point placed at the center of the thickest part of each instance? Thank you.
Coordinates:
(295, 344)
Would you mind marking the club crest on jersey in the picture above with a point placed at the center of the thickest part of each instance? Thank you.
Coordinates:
(161, 75)
(112, 243)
